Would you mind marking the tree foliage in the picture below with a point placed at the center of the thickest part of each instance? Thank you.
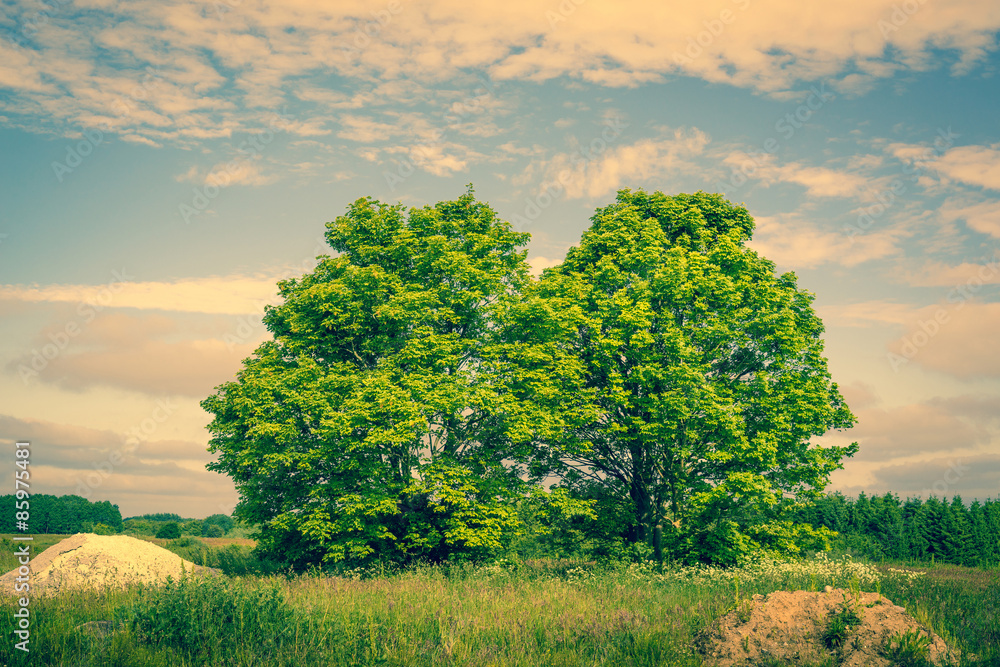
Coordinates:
(61, 514)
(420, 385)
(169, 531)
(221, 521)
(388, 414)
(708, 372)
(885, 527)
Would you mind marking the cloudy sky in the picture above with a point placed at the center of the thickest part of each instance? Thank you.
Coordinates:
(164, 163)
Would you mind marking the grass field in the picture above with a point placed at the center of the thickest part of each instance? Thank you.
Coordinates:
(510, 613)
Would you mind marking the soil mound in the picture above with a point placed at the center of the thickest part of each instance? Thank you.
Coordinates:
(803, 628)
(86, 560)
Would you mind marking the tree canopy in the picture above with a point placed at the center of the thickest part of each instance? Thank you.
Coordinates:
(421, 390)
(708, 374)
(61, 514)
(386, 415)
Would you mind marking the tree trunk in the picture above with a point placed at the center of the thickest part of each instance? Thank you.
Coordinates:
(643, 510)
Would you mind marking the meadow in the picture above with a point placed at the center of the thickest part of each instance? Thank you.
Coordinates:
(511, 612)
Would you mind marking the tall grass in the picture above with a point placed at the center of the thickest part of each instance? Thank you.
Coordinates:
(504, 614)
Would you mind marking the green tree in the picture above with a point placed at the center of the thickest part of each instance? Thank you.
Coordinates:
(399, 406)
(108, 514)
(915, 519)
(212, 530)
(223, 522)
(708, 374)
(192, 527)
(103, 529)
(169, 531)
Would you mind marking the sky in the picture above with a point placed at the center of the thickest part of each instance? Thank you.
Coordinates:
(163, 163)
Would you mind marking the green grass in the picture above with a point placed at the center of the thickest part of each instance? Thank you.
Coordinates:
(506, 614)
(840, 625)
(910, 649)
(8, 561)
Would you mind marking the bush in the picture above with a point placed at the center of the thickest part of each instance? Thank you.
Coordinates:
(104, 529)
(209, 618)
(192, 527)
(224, 522)
(169, 531)
(212, 530)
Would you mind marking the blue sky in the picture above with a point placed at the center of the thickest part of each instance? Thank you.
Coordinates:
(163, 164)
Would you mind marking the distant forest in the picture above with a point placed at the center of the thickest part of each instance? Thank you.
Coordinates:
(884, 527)
(876, 527)
(61, 514)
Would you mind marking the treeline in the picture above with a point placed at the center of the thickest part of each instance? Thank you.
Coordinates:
(73, 514)
(60, 514)
(885, 527)
(171, 526)
(159, 516)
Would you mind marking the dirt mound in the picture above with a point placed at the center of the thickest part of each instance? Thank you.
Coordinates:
(803, 628)
(86, 560)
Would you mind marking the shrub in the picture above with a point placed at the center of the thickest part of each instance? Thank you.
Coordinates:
(192, 527)
(169, 531)
(224, 522)
(104, 529)
(841, 624)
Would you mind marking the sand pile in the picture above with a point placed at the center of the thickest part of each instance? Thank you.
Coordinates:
(86, 560)
(789, 628)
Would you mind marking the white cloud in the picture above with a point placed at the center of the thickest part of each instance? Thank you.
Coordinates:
(983, 217)
(794, 243)
(600, 167)
(240, 171)
(366, 130)
(958, 338)
(973, 165)
(102, 464)
(214, 294)
(877, 313)
(539, 264)
(263, 48)
(818, 181)
(940, 274)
